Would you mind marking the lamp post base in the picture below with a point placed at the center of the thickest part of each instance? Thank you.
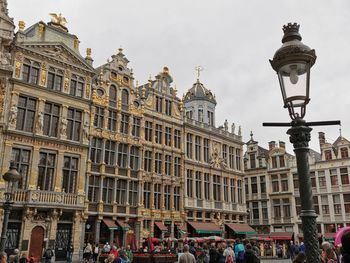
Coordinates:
(7, 210)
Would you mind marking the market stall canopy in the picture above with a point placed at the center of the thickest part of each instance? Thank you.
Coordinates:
(110, 223)
(329, 236)
(161, 226)
(205, 227)
(123, 225)
(281, 235)
(242, 229)
(181, 226)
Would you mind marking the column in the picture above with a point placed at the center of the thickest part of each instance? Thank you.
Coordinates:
(172, 227)
(97, 230)
(64, 122)
(81, 176)
(78, 234)
(162, 205)
(111, 236)
(33, 177)
(152, 196)
(222, 189)
(59, 171)
(137, 232)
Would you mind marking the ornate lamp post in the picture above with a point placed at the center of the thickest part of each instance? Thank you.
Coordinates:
(292, 63)
(11, 178)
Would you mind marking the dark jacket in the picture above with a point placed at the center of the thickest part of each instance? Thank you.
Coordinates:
(345, 258)
(213, 255)
(251, 257)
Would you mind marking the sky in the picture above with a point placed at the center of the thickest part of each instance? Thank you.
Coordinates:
(232, 40)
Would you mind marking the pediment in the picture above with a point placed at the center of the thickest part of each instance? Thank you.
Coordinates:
(59, 52)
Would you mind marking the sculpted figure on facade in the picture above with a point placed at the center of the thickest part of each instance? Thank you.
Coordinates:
(226, 125)
(13, 115)
(233, 127)
(239, 131)
(40, 122)
(86, 131)
(64, 123)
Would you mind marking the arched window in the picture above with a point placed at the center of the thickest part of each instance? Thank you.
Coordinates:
(112, 96)
(125, 99)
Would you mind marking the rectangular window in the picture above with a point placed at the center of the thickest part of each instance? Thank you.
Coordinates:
(246, 184)
(252, 161)
(148, 131)
(334, 177)
(254, 185)
(239, 191)
(198, 185)
(284, 182)
(282, 162)
(275, 185)
(264, 211)
(328, 155)
(147, 195)
(177, 166)
(189, 143)
(147, 164)
(200, 115)
(51, 119)
(177, 138)
(110, 152)
(46, 174)
(177, 198)
(107, 190)
(26, 114)
(206, 186)
(74, 119)
(225, 189)
(217, 187)
(21, 157)
(277, 208)
(263, 184)
(167, 196)
(255, 208)
(136, 127)
(94, 188)
(274, 161)
(54, 80)
(206, 157)
(168, 136)
(158, 163)
(158, 135)
(337, 204)
(347, 203)
(112, 120)
(121, 192)
(286, 208)
(159, 104)
(30, 72)
(157, 196)
(98, 117)
(168, 165)
(198, 148)
(313, 179)
(124, 124)
(133, 193)
(76, 86)
(231, 157)
(210, 118)
(296, 181)
(189, 183)
(96, 150)
(134, 158)
(70, 174)
(238, 159)
(233, 190)
(168, 107)
(123, 155)
(316, 206)
(325, 205)
(344, 176)
(344, 152)
(321, 179)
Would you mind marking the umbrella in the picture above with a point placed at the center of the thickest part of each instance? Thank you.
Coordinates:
(339, 234)
(214, 238)
(200, 240)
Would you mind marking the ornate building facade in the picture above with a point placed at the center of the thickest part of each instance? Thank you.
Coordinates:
(272, 188)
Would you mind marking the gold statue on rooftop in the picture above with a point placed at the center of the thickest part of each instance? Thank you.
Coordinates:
(58, 19)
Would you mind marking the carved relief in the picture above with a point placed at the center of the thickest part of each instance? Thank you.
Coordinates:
(2, 94)
(43, 74)
(86, 131)
(13, 115)
(64, 123)
(101, 100)
(216, 161)
(40, 122)
(67, 75)
(88, 87)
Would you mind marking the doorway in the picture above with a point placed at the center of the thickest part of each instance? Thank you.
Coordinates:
(36, 243)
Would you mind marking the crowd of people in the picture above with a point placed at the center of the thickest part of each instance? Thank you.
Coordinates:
(111, 252)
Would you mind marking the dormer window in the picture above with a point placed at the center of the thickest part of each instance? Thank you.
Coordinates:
(328, 155)
(252, 160)
(30, 71)
(282, 162)
(274, 161)
(344, 152)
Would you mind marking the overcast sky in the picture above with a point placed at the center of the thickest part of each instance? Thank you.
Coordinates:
(231, 39)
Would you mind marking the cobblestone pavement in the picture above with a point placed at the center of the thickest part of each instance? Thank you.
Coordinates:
(276, 261)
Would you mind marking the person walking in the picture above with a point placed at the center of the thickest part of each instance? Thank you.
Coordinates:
(239, 252)
(24, 258)
(129, 253)
(345, 247)
(229, 254)
(187, 257)
(48, 255)
(87, 252)
(3, 257)
(15, 257)
(250, 255)
(95, 252)
(213, 254)
(70, 253)
(122, 258)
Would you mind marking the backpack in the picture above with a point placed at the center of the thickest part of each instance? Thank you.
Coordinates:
(240, 256)
(48, 253)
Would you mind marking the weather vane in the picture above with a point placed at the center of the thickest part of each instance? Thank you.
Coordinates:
(198, 69)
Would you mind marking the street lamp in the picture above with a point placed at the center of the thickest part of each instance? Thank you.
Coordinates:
(292, 63)
(11, 178)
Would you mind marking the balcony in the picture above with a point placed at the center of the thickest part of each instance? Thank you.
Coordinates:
(50, 199)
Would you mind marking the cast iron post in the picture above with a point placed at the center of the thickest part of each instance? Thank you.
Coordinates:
(7, 210)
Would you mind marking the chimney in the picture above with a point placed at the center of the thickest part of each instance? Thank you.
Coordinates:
(272, 145)
(282, 144)
(321, 138)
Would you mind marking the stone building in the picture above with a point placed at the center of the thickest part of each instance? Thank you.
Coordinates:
(45, 105)
(272, 188)
(214, 201)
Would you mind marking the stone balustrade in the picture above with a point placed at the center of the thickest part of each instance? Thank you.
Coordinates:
(46, 198)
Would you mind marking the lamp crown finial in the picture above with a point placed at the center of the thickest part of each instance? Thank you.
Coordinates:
(291, 32)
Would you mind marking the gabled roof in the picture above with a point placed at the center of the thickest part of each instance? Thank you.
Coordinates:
(340, 139)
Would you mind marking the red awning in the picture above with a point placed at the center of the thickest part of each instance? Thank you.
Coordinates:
(110, 223)
(181, 226)
(242, 229)
(281, 235)
(161, 226)
(329, 235)
(123, 225)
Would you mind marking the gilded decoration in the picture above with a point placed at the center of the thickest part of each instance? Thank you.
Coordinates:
(67, 75)
(18, 64)
(41, 28)
(101, 100)
(43, 74)
(136, 111)
(119, 80)
(2, 95)
(58, 19)
(21, 25)
(88, 89)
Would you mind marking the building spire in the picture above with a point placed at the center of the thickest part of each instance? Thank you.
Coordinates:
(251, 135)
(198, 69)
